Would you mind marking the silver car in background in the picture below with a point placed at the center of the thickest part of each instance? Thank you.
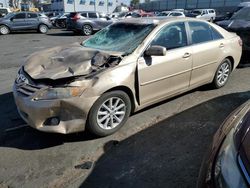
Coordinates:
(87, 22)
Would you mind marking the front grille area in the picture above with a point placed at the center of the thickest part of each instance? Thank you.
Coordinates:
(27, 89)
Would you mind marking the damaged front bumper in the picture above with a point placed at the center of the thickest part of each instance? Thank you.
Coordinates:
(57, 115)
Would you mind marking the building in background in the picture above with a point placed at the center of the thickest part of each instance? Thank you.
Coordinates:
(219, 5)
(44, 5)
(103, 6)
(4, 3)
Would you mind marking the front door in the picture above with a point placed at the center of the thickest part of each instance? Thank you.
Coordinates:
(162, 76)
(18, 21)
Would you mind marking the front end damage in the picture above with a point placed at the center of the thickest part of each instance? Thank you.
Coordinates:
(50, 90)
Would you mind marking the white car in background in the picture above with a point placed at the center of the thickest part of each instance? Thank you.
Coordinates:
(171, 14)
(204, 14)
(4, 11)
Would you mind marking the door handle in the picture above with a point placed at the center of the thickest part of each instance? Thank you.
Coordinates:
(186, 55)
(221, 45)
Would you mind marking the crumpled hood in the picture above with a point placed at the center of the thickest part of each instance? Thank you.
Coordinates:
(62, 62)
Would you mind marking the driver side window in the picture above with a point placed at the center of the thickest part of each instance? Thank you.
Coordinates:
(172, 36)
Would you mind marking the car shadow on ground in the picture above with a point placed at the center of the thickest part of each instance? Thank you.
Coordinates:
(65, 34)
(24, 32)
(168, 154)
(15, 133)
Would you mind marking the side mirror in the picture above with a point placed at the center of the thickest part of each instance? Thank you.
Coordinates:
(156, 51)
(11, 19)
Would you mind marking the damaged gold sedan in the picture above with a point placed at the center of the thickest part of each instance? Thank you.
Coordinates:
(125, 67)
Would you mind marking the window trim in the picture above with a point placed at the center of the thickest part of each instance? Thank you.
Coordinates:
(20, 18)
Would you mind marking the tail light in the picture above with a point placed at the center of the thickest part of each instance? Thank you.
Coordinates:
(76, 17)
(240, 42)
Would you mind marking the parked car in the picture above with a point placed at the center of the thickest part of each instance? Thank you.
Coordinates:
(223, 16)
(226, 164)
(125, 67)
(24, 21)
(87, 22)
(239, 23)
(171, 14)
(60, 20)
(205, 14)
(179, 10)
(131, 14)
(242, 5)
(4, 11)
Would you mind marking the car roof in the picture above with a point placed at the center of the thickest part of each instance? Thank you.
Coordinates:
(157, 20)
(26, 12)
(244, 4)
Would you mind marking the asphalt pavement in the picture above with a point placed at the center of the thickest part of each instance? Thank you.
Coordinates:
(161, 146)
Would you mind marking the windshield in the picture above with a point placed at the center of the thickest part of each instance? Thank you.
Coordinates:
(122, 14)
(9, 15)
(120, 37)
(196, 12)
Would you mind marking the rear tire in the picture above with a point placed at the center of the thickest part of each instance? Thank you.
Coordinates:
(4, 30)
(222, 74)
(43, 28)
(109, 113)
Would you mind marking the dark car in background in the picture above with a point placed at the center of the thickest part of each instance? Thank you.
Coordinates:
(87, 22)
(60, 20)
(24, 21)
(227, 164)
(240, 24)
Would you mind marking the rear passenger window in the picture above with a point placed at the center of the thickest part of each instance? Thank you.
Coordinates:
(216, 35)
(31, 15)
(92, 15)
(84, 15)
(200, 32)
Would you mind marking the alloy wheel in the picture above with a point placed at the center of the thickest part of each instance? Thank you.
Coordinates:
(4, 30)
(223, 73)
(111, 113)
(43, 28)
(87, 29)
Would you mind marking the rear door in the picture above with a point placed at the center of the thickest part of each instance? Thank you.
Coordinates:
(32, 20)
(18, 21)
(207, 50)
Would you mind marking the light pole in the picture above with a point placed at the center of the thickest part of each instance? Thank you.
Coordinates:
(74, 5)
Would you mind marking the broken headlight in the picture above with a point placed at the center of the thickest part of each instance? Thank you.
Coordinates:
(59, 93)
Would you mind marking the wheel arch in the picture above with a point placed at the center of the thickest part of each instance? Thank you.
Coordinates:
(231, 60)
(126, 90)
(42, 24)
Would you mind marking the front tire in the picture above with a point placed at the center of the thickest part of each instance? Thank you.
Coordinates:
(4, 30)
(87, 30)
(222, 74)
(109, 113)
(43, 28)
